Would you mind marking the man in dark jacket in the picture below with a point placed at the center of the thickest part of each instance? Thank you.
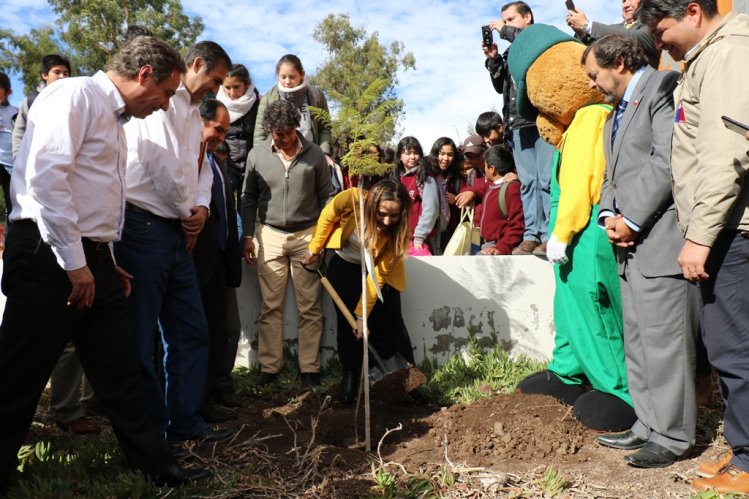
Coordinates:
(217, 256)
(532, 155)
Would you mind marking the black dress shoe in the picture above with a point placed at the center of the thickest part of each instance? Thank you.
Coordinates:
(265, 379)
(651, 455)
(206, 435)
(179, 452)
(349, 384)
(175, 475)
(310, 380)
(623, 441)
(228, 398)
(213, 415)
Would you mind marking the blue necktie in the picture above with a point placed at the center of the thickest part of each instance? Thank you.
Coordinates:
(219, 198)
(618, 118)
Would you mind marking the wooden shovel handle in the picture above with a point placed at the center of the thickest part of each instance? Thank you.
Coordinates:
(339, 303)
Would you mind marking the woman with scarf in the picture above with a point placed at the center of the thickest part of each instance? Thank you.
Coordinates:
(242, 100)
(293, 87)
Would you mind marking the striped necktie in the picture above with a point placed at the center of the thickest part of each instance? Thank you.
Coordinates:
(618, 118)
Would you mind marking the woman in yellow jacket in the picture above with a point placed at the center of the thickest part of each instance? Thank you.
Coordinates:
(386, 235)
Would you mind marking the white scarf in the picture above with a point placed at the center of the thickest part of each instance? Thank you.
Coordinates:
(297, 95)
(238, 107)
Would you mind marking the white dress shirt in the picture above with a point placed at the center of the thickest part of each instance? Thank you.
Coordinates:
(69, 173)
(162, 160)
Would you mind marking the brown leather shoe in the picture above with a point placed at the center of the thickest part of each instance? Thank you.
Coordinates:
(80, 426)
(540, 250)
(709, 469)
(732, 479)
(525, 248)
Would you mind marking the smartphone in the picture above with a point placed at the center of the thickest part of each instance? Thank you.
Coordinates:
(570, 5)
(486, 34)
(734, 125)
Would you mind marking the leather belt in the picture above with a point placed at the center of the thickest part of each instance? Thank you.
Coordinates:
(138, 209)
(94, 245)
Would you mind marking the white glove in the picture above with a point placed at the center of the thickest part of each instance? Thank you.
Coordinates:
(555, 251)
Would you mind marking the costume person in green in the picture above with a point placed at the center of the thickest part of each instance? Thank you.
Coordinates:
(545, 64)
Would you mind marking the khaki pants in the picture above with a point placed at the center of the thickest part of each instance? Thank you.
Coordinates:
(280, 252)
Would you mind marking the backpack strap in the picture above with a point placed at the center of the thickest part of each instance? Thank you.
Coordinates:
(502, 198)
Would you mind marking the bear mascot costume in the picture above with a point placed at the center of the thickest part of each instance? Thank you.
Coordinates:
(587, 368)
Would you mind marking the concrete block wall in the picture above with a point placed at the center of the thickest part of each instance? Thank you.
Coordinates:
(508, 299)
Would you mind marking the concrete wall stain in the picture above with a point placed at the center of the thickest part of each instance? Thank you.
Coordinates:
(459, 320)
(440, 318)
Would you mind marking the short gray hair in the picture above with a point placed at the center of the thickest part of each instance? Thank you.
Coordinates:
(147, 51)
(211, 52)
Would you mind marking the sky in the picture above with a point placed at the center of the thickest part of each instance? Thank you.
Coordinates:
(444, 94)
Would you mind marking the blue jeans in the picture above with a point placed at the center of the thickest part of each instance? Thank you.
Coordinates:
(165, 289)
(533, 157)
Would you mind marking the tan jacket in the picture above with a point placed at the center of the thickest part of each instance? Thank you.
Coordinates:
(709, 162)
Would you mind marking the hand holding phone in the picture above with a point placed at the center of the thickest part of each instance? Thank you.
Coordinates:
(735, 125)
(486, 35)
(570, 5)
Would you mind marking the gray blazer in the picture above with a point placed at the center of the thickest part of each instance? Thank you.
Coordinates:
(638, 174)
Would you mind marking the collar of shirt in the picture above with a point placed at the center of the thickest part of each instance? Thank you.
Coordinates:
(632, 85)
(114, 96)
(182, 94)
(278, 151)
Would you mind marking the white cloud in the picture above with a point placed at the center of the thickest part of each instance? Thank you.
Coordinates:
(443, 96)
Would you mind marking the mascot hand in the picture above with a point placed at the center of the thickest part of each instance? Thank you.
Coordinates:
(556, 251)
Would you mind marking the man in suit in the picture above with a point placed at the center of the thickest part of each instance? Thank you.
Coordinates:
(588, 31)
(660, 308)
(217, 255)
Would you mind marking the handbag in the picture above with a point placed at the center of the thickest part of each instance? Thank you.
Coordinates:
(466, 240)
(423, 251)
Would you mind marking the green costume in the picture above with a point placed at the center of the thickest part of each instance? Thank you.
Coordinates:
(587, 303)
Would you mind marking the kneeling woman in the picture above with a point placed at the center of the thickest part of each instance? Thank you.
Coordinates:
(386, 235)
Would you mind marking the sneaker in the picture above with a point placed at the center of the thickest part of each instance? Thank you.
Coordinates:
(731, 479)
(525, 248)
(709, 469)
(540, 250)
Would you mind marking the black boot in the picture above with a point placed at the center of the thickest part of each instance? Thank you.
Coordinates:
(349, 384)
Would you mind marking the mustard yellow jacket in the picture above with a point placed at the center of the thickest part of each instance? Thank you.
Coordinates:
(337, 222)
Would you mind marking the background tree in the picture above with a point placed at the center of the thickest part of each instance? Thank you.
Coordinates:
(359, 78)
(89, 32)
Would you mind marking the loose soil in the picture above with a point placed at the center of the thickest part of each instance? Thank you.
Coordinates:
(496, 447)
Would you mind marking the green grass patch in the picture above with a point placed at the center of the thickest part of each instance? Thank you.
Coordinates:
(477, 372)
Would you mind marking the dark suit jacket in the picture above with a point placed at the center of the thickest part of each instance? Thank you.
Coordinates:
(638, 31)
(207, 254)
(638, 173)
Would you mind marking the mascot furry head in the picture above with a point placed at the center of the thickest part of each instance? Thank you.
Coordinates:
(551, 82)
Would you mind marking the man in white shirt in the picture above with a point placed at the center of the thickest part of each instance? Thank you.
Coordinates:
(168, 194)
(59, 277)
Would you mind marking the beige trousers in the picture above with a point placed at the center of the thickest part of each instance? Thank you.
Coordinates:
(279, 253)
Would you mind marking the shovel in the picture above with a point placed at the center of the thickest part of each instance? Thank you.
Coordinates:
(382, 367)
